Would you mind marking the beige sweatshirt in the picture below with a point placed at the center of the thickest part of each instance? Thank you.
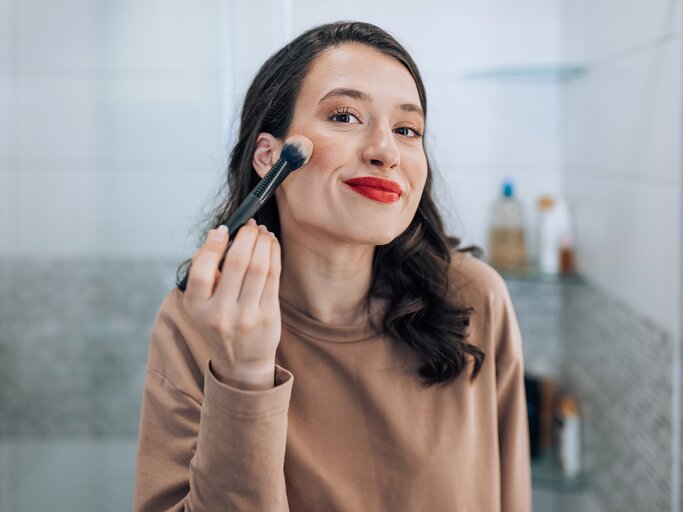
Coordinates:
(347, 426)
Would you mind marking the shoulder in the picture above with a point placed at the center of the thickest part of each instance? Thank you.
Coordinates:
(474, 283)
(474, 280)
(176, 349)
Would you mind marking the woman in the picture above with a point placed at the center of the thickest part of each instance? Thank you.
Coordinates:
(407, 356)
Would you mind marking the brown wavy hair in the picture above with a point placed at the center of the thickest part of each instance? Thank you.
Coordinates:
(412, 270)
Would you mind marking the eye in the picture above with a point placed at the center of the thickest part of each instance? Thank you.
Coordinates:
(343, 115)
(416, 133)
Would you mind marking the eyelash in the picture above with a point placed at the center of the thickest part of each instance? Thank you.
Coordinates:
(350, 111)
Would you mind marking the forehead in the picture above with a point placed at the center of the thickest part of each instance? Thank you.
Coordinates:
(357, 66)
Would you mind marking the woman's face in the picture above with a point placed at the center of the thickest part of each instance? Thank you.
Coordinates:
(361, 110)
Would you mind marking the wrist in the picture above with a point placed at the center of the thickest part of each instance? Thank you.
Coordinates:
(249, 377)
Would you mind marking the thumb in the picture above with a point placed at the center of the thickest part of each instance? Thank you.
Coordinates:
(218, 236)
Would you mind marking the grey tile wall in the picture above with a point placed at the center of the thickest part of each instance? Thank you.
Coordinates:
(538, 305)
(73, 345)
(620, 366)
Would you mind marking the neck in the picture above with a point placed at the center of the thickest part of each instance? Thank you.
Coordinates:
(328, 282)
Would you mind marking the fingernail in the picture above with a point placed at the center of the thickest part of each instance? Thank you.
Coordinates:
(251, 221)
(219, 234)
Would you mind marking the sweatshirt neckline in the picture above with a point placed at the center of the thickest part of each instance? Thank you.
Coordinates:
(335, 333)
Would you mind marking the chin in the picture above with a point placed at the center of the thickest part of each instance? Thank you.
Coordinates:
(358, 230)
(377, 236)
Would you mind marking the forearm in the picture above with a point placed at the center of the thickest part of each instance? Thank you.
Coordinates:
(225, 454)
(240, 449)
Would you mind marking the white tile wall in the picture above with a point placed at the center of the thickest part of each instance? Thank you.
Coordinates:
(176, 121)
(152, 37)
(504, 124)
(8, 218)
(57, 211)
(162, 36)
(6, 121)
(110, 104)
(607, 28)
(57, 119)
(452, 36)
(132, 211)
(60, 36)
(627, 240)
(623, 118)
(257, 33)
(5, 37)
(623, 162)
(95, 120)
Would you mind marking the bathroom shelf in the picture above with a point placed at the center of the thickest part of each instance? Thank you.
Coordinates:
(528, 72)
(533, 275)
(546, 474)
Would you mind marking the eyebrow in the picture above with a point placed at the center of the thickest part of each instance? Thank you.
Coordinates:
(363, 96)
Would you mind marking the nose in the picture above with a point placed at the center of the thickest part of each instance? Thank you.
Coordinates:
(381, 149)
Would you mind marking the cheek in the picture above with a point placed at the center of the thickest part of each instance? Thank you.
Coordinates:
(312, 182)
(418, 176)
(329, 154)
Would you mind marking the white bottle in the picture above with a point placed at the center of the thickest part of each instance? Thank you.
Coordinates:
(569, 436)
(554, 233)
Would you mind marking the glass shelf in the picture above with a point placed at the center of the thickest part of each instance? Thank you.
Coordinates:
(546, 474)
(532, 274)
(534, 71)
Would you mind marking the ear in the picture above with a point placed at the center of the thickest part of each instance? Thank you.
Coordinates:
(267, 152)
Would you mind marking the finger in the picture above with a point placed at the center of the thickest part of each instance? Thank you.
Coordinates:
(216, 281)
(236, 264)
(205, 264)
(255, 279)
(271, 290)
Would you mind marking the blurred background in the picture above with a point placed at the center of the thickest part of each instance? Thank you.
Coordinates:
(555, 128)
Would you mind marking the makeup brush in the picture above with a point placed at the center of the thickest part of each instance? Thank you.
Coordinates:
(296, 152)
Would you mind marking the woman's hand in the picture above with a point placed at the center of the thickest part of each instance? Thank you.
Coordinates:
(238, 310)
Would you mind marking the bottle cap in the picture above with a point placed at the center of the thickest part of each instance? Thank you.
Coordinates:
(567, 406)
(508, 187)
(545, 202)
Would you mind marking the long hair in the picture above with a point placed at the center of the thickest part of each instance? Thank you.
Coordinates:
(412, 270)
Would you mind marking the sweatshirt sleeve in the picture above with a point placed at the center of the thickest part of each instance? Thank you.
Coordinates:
(513, 430)
(220, 451)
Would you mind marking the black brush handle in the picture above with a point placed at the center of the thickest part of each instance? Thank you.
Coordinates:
(261, 193)
(246, 210)
(265, 188)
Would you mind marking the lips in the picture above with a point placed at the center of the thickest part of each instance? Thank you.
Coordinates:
(384, 191)
(372, 181)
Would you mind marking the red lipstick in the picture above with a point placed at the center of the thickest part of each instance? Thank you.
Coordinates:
(379, 189)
